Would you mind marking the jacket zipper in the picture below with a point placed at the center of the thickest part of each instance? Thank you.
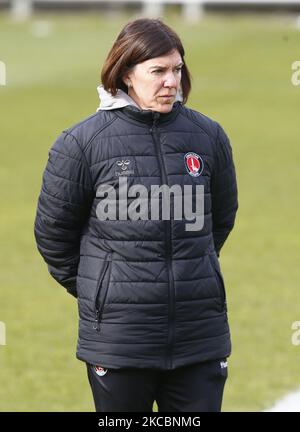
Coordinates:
(222, 289)
(168, 237)
(220, 283)
(99, 308)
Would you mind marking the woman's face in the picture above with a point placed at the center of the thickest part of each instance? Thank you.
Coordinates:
(155, 82)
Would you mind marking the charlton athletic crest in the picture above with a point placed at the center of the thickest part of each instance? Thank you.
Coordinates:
(194, 164)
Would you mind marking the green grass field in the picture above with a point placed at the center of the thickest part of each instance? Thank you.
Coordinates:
(241, 69)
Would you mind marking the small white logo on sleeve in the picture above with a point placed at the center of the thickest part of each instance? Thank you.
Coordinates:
(100, 370)
(223, 364)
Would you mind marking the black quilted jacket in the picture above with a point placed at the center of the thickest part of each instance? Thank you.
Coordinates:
(150, 293)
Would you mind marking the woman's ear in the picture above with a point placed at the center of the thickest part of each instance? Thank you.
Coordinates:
(126, 81)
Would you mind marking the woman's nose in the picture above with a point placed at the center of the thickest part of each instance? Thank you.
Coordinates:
(170, 80)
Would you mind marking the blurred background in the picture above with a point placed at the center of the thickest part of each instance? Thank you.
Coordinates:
(242, 58)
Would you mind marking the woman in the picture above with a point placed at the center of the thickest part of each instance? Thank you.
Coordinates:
(152, 307)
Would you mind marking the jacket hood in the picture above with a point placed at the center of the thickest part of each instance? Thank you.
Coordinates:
(110, 102)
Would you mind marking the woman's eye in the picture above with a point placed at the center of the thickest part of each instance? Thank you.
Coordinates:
(159, 71)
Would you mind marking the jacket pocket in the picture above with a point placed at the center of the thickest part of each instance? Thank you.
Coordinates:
(101, 293)
(219, 279)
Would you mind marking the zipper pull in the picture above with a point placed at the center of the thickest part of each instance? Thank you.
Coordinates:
(97, 326)
(156, 116)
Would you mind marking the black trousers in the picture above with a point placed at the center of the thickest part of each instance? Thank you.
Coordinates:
(194, 388)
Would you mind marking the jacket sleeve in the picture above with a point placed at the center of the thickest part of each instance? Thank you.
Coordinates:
(63, 206)
(223, 191)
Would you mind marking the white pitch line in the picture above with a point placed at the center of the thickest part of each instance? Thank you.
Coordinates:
(289, 403)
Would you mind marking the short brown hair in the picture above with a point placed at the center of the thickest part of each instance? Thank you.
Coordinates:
(141, 40)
